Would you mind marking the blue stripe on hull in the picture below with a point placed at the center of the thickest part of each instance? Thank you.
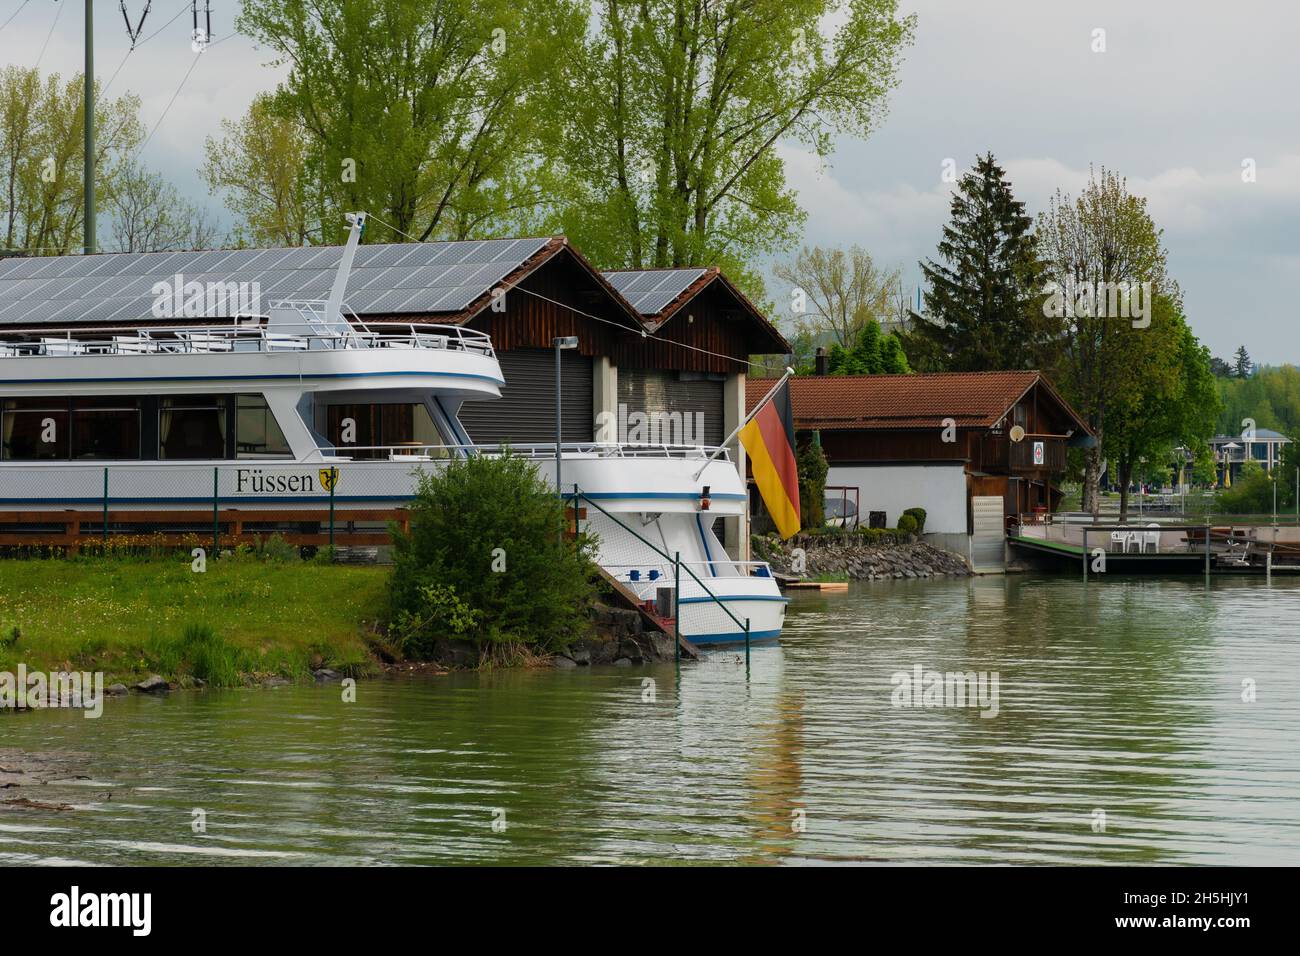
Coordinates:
(732, 637)
(735, 597)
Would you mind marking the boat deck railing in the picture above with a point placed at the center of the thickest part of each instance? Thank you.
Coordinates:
(661, 573)
(540, 452)
(134, 340)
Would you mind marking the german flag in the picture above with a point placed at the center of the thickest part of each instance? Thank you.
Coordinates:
(769, 439)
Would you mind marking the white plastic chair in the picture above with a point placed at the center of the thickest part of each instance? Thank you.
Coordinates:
(62, 347)
(280, 342)
(130, 344)
(1151, 539)
(203, 342)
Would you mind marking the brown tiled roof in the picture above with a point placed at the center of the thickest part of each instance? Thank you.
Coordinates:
(879, 402)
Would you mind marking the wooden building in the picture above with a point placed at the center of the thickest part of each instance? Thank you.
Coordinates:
(939, 441)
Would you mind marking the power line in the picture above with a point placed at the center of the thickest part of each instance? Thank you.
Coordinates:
(58, 13)
(193, 64)
(14, 14)
(104, 89)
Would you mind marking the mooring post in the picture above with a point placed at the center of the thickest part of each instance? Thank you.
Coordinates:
(575, 515)
(1207, 550)
(334, 481)
(105, 508)
(1085, 555)
(677, 608)
(216, 532)
(746, 647)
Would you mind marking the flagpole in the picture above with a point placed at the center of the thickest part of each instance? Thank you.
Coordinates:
(736, 431)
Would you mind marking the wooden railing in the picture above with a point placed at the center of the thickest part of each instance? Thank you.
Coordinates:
(999, 453)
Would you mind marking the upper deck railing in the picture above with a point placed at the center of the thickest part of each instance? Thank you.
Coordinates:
(594, 449)
(181, 340)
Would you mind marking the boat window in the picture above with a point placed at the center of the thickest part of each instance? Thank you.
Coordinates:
(257, 433)
(379, 430)
(192, 426)
(35, 429)
(106, 427)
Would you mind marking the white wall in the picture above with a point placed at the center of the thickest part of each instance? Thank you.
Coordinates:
(940, 489)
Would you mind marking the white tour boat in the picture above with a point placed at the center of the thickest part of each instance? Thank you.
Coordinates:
(171, 418)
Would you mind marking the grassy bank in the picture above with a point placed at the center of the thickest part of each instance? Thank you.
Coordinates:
(241, 619)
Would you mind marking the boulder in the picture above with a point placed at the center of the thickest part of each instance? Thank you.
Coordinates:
(153, 684)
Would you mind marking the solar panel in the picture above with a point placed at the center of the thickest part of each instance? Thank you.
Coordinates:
(651, 290)
(391, 278)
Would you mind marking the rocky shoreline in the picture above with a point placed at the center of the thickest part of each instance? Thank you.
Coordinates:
(859, 560)
(619, 638)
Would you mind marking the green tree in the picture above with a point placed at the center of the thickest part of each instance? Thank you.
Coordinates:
(1104, 239)
(984, 299)
(812, 467)
(1269, 399)
(485, 559)
(1241, 364)
(873, 353)
(666, 128)
(845, 289)
(425, 112)
(263, 164)
(1251, 492)
(41, 154)
(1176, 405)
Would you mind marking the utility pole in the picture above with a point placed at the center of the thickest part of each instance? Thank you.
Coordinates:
(88, 171)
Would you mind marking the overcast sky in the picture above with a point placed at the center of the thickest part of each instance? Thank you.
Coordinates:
(1185, 91)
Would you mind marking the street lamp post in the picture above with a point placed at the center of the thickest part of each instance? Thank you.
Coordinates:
(561, 343)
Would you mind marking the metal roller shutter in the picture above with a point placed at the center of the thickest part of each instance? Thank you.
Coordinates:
(988, 550)
(525, 414)
(652, 391)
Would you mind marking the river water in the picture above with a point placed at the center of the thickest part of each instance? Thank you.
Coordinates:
(1115, 697)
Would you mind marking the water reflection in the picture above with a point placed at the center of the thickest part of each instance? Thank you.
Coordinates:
(1117, 696)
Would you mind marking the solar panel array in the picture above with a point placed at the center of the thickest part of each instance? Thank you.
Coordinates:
(393, 278)
(651, 290)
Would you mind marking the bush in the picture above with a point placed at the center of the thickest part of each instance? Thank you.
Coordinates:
(812, 466)
(918, 514)
(485, 560)
(1252, 492)
(906, 524)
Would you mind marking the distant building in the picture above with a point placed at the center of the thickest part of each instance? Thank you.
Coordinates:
(1231, 452)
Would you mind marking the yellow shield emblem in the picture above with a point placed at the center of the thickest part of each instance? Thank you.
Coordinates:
(329, 477)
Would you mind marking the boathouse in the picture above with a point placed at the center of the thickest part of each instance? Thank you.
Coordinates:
(957, 444)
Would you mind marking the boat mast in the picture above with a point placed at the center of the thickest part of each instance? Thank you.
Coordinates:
(334, 307)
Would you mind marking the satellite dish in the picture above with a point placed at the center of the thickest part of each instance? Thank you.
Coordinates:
(1017, 433)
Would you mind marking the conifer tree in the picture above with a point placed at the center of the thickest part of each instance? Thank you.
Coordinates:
(984, 299)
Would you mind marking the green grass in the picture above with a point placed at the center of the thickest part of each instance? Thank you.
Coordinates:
(832, 577)
(130, 617)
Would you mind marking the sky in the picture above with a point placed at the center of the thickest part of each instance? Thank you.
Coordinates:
(1184, 93)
